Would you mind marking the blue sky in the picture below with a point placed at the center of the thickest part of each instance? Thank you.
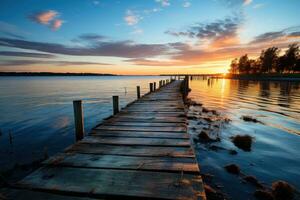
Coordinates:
(141, 36)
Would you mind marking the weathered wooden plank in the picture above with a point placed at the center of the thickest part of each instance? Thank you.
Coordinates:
(137, 150)
(22, 194)
(151, 114)
(115, 183)
(137, 141)
(144, 118)
(154, 110)
(145, 128)
(139, 134)
(167, 164)
(144, 124)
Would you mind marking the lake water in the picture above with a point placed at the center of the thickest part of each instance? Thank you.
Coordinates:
(38, 111)
(275, 152)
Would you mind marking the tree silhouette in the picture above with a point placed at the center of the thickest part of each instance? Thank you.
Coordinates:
(234, 66)
(244, 64)
(269, 59)
(291, 56)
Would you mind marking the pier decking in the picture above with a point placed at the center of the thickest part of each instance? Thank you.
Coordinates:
(143, 152)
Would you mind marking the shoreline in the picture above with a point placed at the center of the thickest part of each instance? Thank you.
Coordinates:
(263, 77)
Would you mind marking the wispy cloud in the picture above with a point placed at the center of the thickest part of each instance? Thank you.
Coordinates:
(25, 54)
(90, 37)
(131, 18)
(258, 5)
(219, 33)
(186, 4)
(48, 18)
(277, 36)
(191, 55)
(247, 2)
(11, 30)
(124, 49)
(164, 3)
(44, 17)
(45, 62)
(56, 24)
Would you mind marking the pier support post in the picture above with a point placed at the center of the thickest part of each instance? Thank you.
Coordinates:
(138, 92)
(164, 82)
(160, 83)
(154, 86)
(79, 122)
(151, 87)
(115, 104)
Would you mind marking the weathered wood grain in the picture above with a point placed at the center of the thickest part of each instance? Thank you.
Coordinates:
(116, 183)
(133, 150)
(167, 164)
(139, 134)
(142, 128)
(145, 124)
(137, 141)
(23, 194)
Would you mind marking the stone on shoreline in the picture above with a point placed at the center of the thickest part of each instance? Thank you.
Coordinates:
(282, 190)
(243, 142)
(233, 169)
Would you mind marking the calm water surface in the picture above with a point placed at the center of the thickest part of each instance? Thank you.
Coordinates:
(275, 153)
(38, 111)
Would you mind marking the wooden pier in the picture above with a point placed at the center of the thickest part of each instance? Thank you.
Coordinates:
(142, 152)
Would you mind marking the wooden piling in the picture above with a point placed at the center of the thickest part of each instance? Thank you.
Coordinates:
(79, 122)
(160, 83)
(138, 92)
(151, 87)
(154, 86)
(115, 104)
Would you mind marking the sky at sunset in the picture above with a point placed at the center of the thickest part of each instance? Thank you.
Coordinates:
(141, 36)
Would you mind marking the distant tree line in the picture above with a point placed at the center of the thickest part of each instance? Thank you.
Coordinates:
(269, 61)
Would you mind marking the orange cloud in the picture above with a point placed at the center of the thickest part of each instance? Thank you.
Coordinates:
(56, 24)
(44, 17)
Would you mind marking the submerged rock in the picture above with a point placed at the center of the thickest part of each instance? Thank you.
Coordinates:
(263, 195)
(232, 152)
(253, 180)
(213, 194)
(249, 119)
(216, 148)
(203, 136)
(281, 190)
(243, 142)
(233, 169)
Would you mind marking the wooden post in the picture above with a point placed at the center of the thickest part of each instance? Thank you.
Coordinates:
(151, 87)
(138, 92)
(115, 104)
(187, 83)
(164, 82)
(154, 86)
(79, 122)
(160, 83)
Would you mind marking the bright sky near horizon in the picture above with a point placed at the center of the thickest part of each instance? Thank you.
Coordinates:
(141, 36)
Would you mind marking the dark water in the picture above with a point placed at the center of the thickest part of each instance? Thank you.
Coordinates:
(275, 152)
(38, 111)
